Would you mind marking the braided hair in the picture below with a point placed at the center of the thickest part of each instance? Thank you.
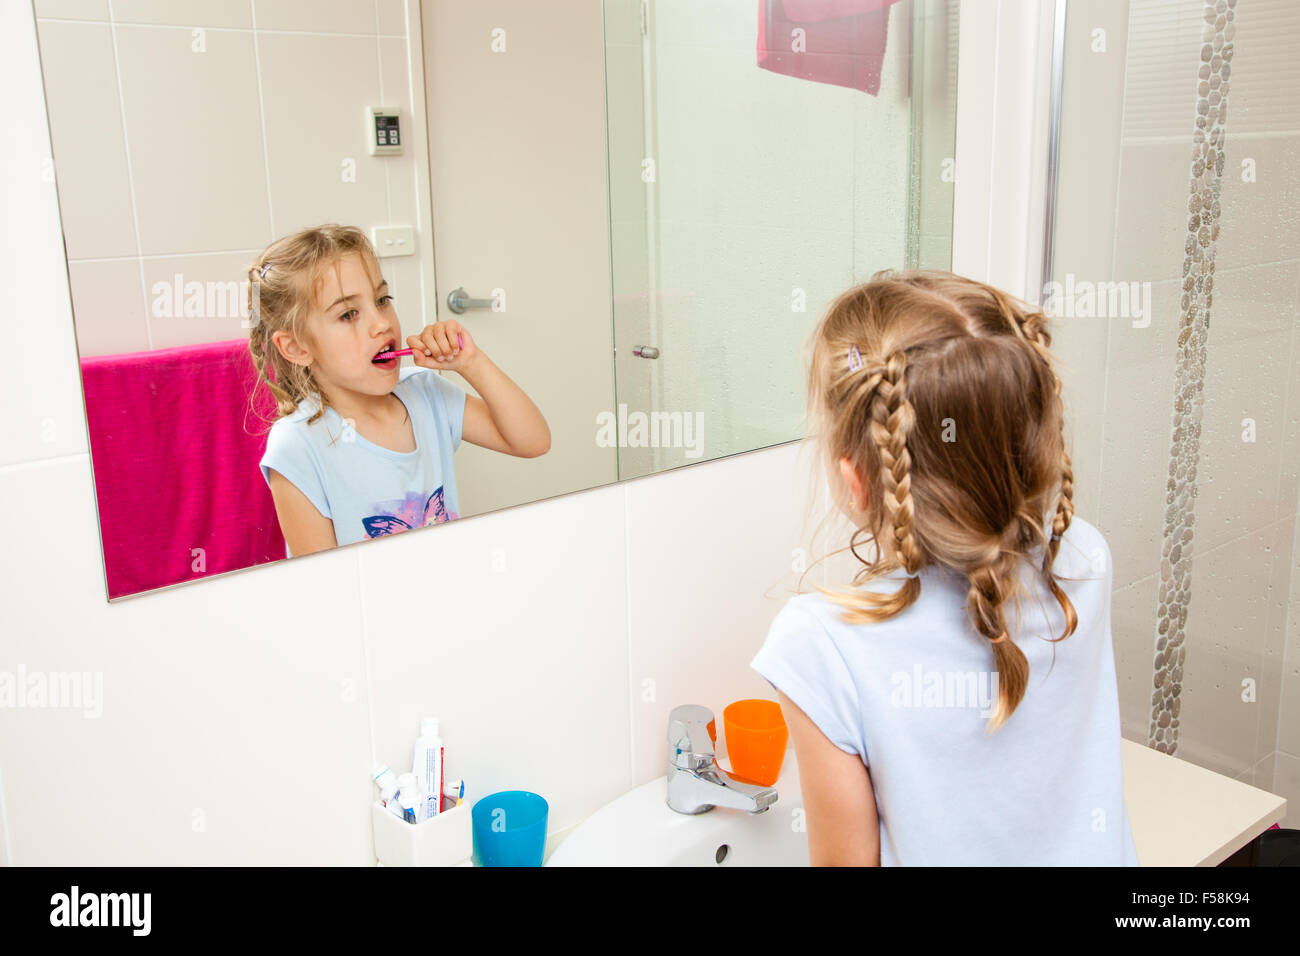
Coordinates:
(939, 392)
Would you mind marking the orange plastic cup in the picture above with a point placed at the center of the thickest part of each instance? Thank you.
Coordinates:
(756, 738)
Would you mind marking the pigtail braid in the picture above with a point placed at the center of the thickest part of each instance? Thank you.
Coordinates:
(261, 348)
(990, 585)
(891, 419)
(1031, 328)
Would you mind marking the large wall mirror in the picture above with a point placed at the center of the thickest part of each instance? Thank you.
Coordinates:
(758, 157)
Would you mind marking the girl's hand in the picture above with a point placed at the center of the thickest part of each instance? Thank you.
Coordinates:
(444, 345)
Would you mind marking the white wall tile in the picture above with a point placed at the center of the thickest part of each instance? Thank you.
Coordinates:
(392, 17)
(403, 276)
(1151, 220)
(526, 667)
(189, 13)
(1226, 634)
(1248, 363)
(211, 694)
(319, 16)
(315, 121)
(1286, 783)
(1080, 347)
(221, 315)
(109, 305)
(698, 615)
(1263, 775)
(73, 9)
(1288, 485)
(206, 183)
(1279, 727)
(1133, 636)
(1287, 660)
(401, 171)
(89, 148)
(1259, 217)
(1264, 69)
(1135, 448)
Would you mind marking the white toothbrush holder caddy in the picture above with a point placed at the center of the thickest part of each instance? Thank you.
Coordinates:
(444, 840)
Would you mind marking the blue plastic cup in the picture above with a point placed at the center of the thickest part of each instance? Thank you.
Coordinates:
(509, 829)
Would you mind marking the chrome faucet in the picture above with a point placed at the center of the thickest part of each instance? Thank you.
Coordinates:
(695, 781)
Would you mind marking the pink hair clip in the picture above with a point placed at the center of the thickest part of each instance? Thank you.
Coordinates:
(855, 359)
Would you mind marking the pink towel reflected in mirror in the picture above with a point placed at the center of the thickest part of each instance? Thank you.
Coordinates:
(840, 42)
(175, 447)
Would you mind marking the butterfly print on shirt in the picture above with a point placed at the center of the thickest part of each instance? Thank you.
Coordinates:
(414, 511)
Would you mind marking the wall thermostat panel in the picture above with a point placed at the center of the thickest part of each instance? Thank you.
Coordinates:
(384, 130)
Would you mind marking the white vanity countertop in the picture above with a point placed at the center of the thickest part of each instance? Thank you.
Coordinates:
(1185, 815)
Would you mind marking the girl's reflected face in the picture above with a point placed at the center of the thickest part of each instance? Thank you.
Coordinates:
(352, 321)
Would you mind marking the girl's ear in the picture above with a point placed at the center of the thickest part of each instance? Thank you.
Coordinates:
(288, 346)
(857, 487)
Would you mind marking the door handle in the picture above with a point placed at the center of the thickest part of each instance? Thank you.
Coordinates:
(645, 351)
(458, 301)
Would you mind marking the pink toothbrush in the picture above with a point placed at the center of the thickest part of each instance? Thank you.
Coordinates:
(400, 352)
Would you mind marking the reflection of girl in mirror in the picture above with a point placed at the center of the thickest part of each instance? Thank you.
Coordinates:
(958, 704)
(362, 447)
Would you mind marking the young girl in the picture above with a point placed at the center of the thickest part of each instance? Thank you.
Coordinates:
(362, 447)
(934, 401)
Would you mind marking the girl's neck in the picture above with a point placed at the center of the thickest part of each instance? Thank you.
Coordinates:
(359, 406)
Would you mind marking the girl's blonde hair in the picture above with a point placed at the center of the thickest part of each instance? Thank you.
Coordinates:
(941, 392)
(283, 283)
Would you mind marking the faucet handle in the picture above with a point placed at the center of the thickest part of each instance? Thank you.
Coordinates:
(692, 736)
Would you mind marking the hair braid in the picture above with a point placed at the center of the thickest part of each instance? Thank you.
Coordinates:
(907, 349)
(882, 390)
(1030, 327)
(989, 590)
(892, 420)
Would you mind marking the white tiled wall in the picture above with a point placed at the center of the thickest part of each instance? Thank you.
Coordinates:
(1126, 152)
(258, 131)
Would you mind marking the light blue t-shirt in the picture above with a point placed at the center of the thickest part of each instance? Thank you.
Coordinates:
(369, 491)
(911, 696)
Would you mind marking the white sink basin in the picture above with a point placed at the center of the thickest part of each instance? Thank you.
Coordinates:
(638, 829)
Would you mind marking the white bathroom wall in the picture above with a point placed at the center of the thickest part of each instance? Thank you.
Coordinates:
(1129, 112)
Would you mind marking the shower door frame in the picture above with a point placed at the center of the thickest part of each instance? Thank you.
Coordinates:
(1009, 69)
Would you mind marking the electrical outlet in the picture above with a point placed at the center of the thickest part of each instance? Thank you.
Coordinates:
(393, 241)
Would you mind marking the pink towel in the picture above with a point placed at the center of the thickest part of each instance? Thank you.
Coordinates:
(843, 40)
(175, 449)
